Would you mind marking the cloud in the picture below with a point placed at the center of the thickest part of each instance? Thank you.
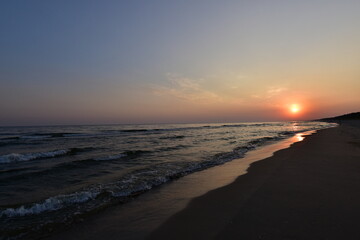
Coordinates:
(270, 93)
(187, 89)
(274, 91)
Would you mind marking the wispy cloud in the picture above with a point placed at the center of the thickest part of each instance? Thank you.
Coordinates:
(274, 91)
(270, 93)
(187, 89)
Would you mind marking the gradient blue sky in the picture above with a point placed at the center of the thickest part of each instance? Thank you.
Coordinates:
(88, 62)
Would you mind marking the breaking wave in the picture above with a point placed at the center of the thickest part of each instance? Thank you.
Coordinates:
(21, 157)
(135, 182)
(116, 170)
(17, 157)
(50, 204)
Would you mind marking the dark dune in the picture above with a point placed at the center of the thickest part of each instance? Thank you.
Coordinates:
(308, 191)
(349, 116)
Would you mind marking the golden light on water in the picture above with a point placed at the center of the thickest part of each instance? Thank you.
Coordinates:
(299, 137)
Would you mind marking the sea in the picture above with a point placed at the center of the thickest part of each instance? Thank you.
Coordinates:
(53, 175)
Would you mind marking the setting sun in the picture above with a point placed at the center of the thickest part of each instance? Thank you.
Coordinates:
(294, 108)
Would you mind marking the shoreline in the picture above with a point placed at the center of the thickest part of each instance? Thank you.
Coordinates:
(302, 192)
(139, 217)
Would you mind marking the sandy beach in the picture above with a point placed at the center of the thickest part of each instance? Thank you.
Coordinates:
(308, 191)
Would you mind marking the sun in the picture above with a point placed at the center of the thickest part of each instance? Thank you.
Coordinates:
(294, 108)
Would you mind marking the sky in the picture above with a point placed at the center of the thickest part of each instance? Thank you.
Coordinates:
(108, 62)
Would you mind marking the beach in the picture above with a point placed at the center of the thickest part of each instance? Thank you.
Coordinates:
(307, 191)
(301, 185)
(179, 120)
(113, 178)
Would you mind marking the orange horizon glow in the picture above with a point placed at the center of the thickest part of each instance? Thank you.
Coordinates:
(295, 109)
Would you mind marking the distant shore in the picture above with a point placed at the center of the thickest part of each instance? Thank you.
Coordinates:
(308, 191)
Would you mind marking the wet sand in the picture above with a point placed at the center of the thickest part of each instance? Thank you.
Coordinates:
(308, 191)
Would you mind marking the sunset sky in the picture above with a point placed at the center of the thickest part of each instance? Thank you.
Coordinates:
(93, 62)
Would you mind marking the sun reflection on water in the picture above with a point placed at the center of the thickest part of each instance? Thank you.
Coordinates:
(299, 137)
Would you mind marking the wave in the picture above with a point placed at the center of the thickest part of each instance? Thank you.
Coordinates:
(63, 209)
(18, 157)
(53, 135)
(173, 137)
(134, 183)
(35, 137)
(82, 164)
(135, 153)
(136, 130)
(87, 162)
(39, 136)
(145, 169)
(233, 125)
(9, 138)
(50, 204)
(159, 130)
(15, 170)
(141, 130)
(9, 141)
(111, 157)
(173, 148)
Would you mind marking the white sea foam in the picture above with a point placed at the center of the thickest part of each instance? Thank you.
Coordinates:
(17, 157)
(50, 204)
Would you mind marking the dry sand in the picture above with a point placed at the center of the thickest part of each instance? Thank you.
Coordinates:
(308, 191)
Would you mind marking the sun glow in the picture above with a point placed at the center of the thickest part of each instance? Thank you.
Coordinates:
(294, 108)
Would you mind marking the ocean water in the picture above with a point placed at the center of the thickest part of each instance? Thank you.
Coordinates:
(51, 176)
